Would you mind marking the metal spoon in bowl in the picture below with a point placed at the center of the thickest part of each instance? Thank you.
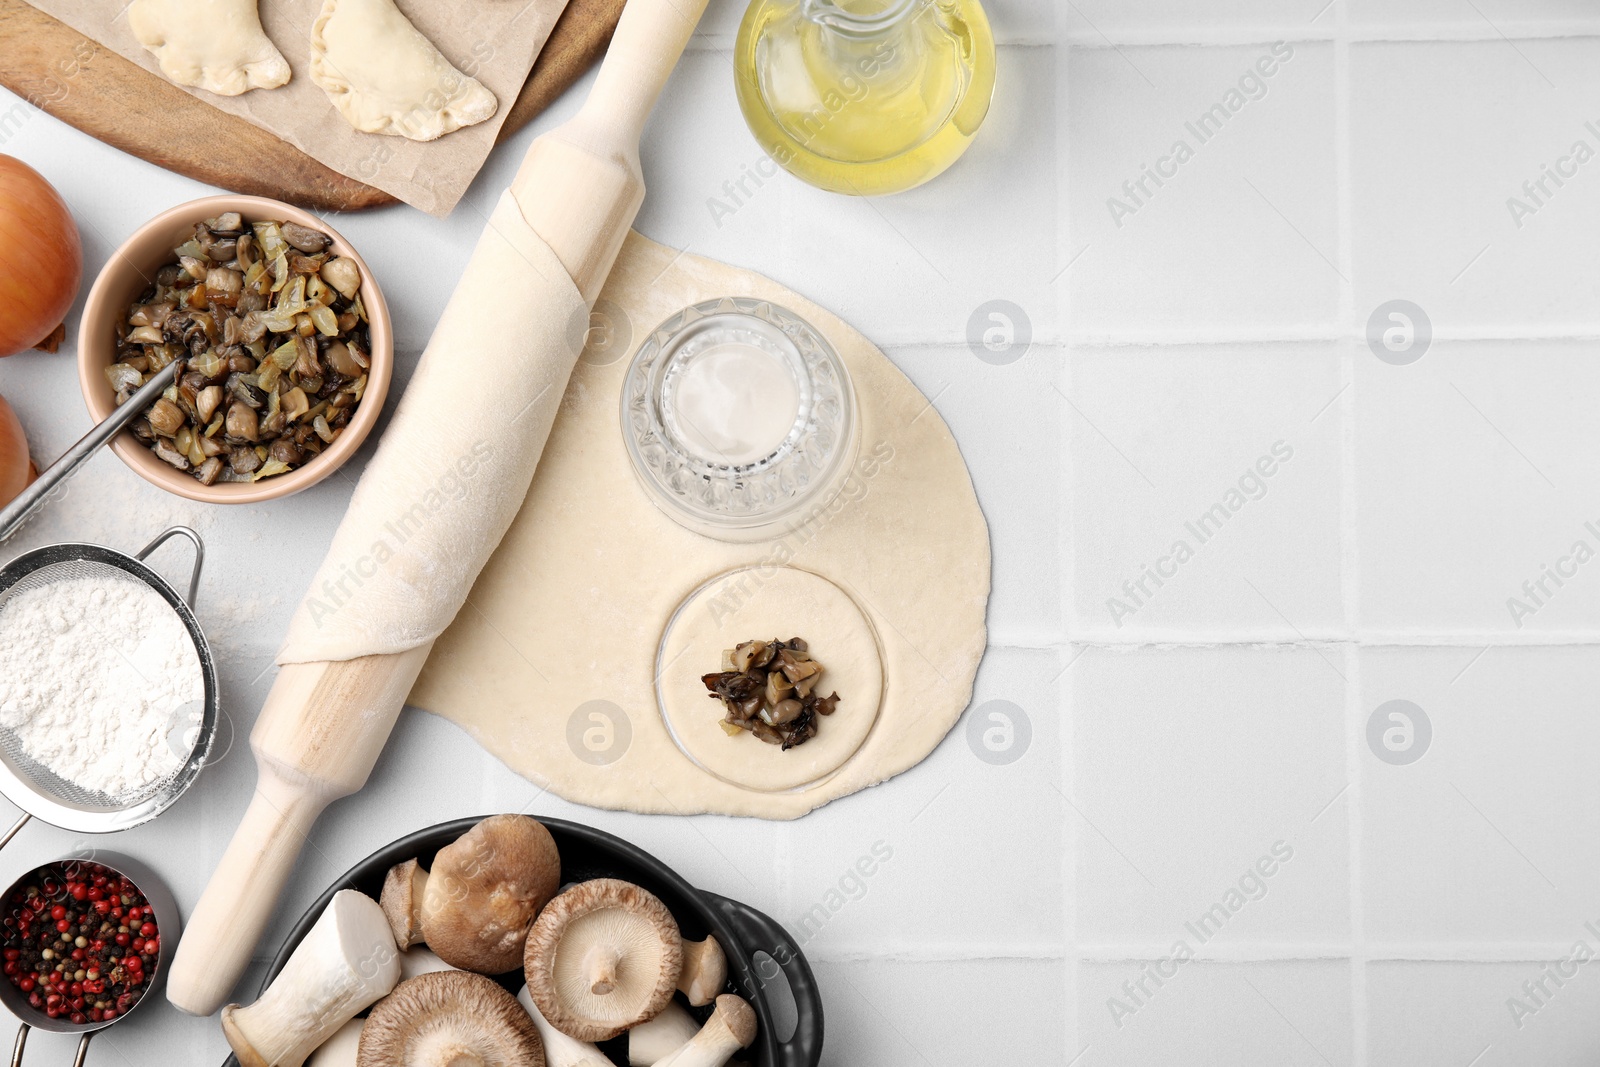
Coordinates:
(14, 514)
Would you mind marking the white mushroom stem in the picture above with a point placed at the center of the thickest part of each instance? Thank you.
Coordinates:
(421, 960)
(600, 965)
(731, 1027)
(653, 1041)
(345, 963)
(559, 1049)
(705, 971)
(340, 1049)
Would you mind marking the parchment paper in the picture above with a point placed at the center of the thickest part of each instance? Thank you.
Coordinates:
(494, 42)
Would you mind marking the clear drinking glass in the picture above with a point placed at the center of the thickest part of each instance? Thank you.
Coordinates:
(740, 419)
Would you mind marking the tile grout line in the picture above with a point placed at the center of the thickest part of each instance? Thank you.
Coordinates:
(1278, 641)
(1065, 710)
(1349, 555)
(1207, 341)
(1240, 37)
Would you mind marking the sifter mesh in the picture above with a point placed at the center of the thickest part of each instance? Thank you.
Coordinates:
(41, 778)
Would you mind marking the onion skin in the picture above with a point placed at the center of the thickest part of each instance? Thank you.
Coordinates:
(16, 471)
(41, 261)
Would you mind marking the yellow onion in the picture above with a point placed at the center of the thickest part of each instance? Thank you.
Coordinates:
(41, 261)
(16, 470)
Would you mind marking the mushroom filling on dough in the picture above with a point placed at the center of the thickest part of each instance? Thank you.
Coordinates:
(603, 956)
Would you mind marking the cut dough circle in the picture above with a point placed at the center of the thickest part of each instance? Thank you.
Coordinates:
(385, 77)
(215, 45)
(763, 603)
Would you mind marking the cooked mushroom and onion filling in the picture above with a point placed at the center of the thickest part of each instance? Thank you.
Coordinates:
(268, 322)
(770, 689)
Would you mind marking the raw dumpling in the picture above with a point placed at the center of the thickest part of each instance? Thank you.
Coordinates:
(215, 45)
(386, 77)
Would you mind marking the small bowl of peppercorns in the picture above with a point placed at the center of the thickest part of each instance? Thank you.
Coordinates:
(84, 941)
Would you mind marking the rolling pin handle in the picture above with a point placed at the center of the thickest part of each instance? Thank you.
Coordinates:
(238, 902)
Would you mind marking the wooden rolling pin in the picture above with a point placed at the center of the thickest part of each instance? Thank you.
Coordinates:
(324, 724)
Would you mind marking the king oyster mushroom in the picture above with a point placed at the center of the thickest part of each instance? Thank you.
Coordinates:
(559, 1049)
(602, 957)
(346, 962)
(485, 889)
(732, 1026)
(655, 1039)
(340, 1049)
(419, 960)
(449, 1019)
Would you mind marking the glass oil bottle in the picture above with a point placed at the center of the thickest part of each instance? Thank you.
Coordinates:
(865, 96)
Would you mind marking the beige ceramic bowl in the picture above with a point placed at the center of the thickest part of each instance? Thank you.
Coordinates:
(123, 280)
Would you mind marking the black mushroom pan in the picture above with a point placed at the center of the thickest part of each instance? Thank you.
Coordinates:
(589, 853)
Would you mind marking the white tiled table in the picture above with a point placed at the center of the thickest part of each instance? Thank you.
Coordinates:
(1177, 738)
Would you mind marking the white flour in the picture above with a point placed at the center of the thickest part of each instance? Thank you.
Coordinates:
(95, 674)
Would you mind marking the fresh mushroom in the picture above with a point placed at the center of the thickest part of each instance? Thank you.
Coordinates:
(340, 1049)
(732, 1026)
(449, 1019)
(346, 962)
(655, 1039)
(559, 1049)
(402, 901)
(420, 960)
(602, 957)
(705, 971)
(484, 891)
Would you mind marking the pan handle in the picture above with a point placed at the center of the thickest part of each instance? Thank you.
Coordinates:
(759, 932)
(5, 838)
(199, 555)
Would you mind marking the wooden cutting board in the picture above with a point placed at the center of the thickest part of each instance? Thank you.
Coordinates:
(57, 69)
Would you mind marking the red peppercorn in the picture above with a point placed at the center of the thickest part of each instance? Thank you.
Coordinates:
(152, 946)
(78, 891)
(147, 930)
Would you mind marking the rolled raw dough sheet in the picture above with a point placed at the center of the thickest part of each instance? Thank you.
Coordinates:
(455, 463)
(552, 665)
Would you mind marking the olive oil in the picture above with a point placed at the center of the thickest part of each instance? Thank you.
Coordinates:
(865, 96)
